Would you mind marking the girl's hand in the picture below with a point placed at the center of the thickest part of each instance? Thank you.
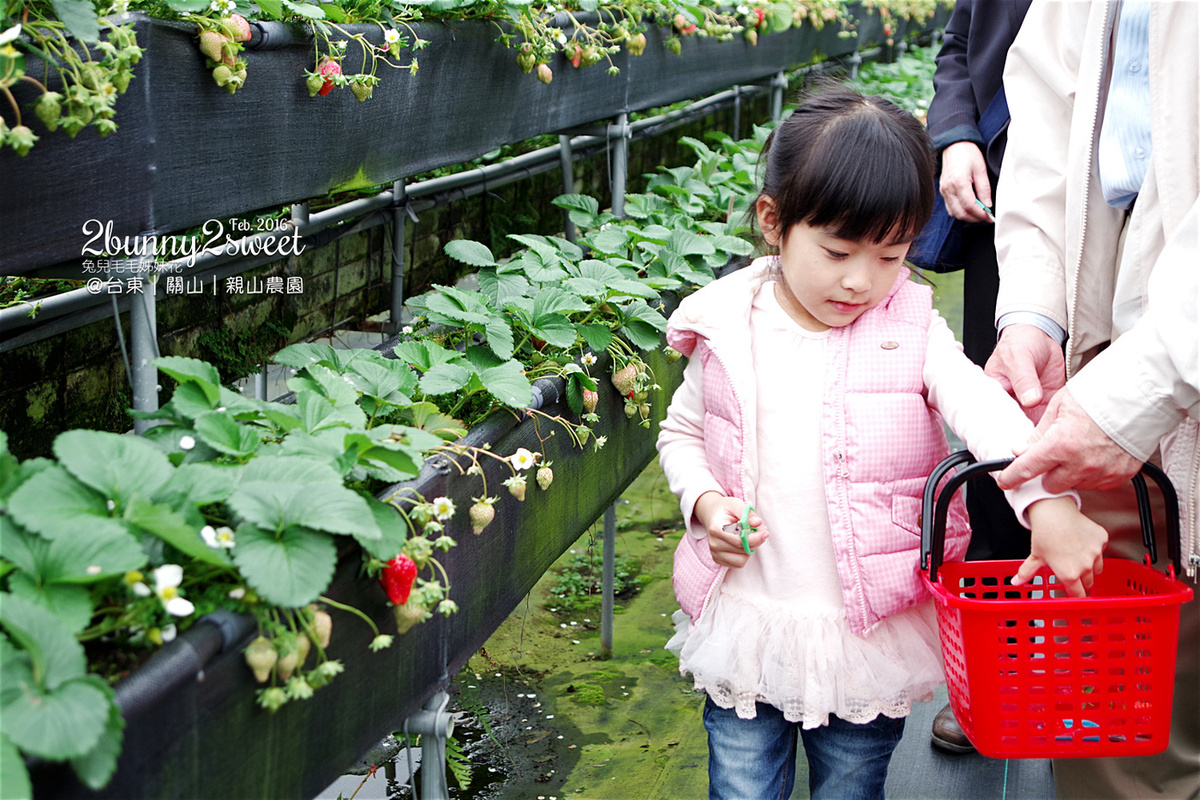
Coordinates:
(1066, 541)
(714, 511)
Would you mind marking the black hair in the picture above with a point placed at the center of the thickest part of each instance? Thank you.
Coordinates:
(858, 165)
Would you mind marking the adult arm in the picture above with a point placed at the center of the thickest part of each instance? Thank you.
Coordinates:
(1114, 412)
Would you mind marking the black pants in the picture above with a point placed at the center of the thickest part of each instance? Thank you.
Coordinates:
(995, 532)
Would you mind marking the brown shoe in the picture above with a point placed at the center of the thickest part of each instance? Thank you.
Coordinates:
(947, 735)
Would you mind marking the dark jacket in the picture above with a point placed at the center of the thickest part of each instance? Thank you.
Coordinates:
(970, 67)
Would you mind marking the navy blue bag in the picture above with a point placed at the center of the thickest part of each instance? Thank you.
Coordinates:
(939, 246)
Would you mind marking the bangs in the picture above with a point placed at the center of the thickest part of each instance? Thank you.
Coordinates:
(866, 175)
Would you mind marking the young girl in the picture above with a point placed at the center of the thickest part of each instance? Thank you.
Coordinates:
(814, 394)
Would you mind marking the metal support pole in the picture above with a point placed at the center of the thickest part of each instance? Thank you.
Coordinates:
(143, 326)
(778, 84)
(398, 228)
(567, 162)
(737, 113)
(855, 61)
(620, 166)
(260, 384)
(609, 581)
(434, 726)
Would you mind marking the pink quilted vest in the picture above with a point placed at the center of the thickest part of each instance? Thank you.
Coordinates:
(879, 442)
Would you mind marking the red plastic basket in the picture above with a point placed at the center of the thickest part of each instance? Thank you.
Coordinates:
(1033, 673)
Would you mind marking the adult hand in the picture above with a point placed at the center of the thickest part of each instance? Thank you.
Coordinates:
(965, 179)
(714, 511)
(1070, 451)
(1029, 364)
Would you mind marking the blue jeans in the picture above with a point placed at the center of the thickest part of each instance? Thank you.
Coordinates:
(755, 759)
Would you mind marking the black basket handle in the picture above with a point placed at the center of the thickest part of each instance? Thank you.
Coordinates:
(935, 507)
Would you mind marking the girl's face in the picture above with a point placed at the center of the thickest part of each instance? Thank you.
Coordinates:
(829, 282)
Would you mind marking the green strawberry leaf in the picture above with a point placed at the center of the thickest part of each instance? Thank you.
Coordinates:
(291, 569)
(580, 208)
(59, 724)
(391, 525)
(276, 505)
(473, 254)
(222, 432)
(598, 337)
(14, 777)
(57, 657)
(192, 370)
(117, 466)
(444, 379)
(508, 385)
(79, 17)
(72, 605)
(53, 503)
(171, 526)
(96, 767)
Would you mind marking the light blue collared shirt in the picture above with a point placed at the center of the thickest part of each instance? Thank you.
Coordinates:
(1125, 143)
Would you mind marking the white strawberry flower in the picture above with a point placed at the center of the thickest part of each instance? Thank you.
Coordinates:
(11, 34)
(186, 443)
(391, 36)
(522, 459)
(215, 538)
(589, 359)
(443, 508)
(166, 585)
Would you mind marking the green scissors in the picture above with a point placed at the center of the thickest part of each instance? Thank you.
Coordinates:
(743, 527)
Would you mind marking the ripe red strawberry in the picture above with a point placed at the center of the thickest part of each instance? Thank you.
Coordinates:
(590, 398)
(576, 56)
(397, 579)
(329, 68)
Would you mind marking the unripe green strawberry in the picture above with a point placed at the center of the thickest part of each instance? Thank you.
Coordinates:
(526, 60)
(674, 45)
(303, 646)
(91, 76)
(120, 80)
(752, 37)
(21, 138)
(545, 476)
(409, 615)
(630, 410)
(672, 355)
(323, 627)
(314, 83)
(591, 55)
(625, 379)
(482, 513)
(222, 74)
(516, 486)
(212, 45)
(49, 109)
(361, 90)
(636, 44)
(590, 398)
(289, 657)
(261, 656)
(544, 74)
(644, 410)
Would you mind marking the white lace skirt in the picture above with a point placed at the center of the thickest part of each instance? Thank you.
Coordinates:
(809, 666)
